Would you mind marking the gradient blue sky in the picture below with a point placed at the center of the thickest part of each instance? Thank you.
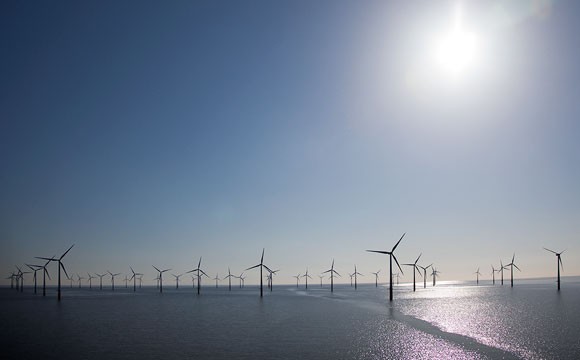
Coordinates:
(158, 132)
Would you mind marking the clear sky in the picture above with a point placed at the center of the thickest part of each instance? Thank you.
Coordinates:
(152, 133)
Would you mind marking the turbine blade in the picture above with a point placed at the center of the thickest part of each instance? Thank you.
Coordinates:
(66, 252)
(47, 274)
(552, 251)
(396, 261)
(516, 267)
(397, 244)
(418, 258)
(262, 258)
(380, 252)
(156, 268)
(44, 258)
(560, 261)
(253, 267)
(62, 265)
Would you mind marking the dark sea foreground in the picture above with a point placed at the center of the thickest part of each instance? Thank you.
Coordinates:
(450, 321)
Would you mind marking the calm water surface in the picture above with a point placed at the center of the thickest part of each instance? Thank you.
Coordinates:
(449, 321)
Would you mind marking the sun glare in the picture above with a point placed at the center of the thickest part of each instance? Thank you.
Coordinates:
(457, 50)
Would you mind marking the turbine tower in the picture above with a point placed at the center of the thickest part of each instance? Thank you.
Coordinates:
(113, 279)
(434, 274)
(376, 274)
(297, 279)
(134, 278)
(511, 265)
(391, 257)
(100, 280)
(229, 276)
(424, 274)
(493, 274)
(177, 280)
(91, 277)
(355, 275)
(415, 269)
(306, 276)
(558, 263)
(199, 272)
(160, 278)
(477, 273)
(261, 266)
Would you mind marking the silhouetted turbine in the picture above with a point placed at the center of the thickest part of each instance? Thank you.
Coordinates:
(199, 272)
(113, 279)
(558, 263)
(297, 279)
(216, 278)
(511, 265)
(415, 269)
(391, 256)
(332, 272)
(100, 280)
(176, 280)
(321, 277)
(500, 270)
(477, 273)
(261, 266)
(397, 276)
(306, 276)
(434, 274)
(126, 279)
(91, 277)
(80, 279)
(34, 268)
(272, 273)
(229, 276)
(21, 275)
(355, 275)
(134, 278)
(160, 277)
(493, 274)
(376, 274)
(424, 274)
(60, 265)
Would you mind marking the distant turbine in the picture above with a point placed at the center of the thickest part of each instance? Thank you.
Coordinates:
(351, 276)
(424, 274)
(477, 273)
(34, 268)
(391, 256)
(60, 265)
(376, 274)
(306, 276)
(140, 280)
(126, 279)
(229, 276)
(501, 269)
(177, 280)
(434, 274)
(415, 269)
(80, 278)
(261, 266)
(113, 279)
(216, 278)
(297, 279)
(332, 272)
(558, 263)
(71, 279)
(272, 273)
(397, 276)
(21, 275)
(134, 278)
(91, 277)
(321, 277)
(355, 274)
(199, 272)
(493, 274)
(511, 265)
(160, 278)
(100, 280)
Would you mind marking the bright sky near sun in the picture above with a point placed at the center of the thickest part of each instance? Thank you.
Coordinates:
(152, 133)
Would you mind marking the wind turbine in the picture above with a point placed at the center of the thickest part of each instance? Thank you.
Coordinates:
(160, 277)
(113, 279)
(261, 266)
(351, 276)
(306, 276)
(216, 278)
(321, 277)
(434, 274)
(391, 256)
(558, 263)
(100, 280)
(229, 276)
(35, 269)
(397, 276)
(199, 272)
(140, 280)
(511, 265)
(134, 278)
(126, 281)
(272, 273)
(376, 274)
(297, 279)
(355, 274)
(424, 275)
(242, 280)
(493, 274)
(91, 277)
(477, 273)
(501, 269)
(332, 272)
(21, 275)
(71, 279)
(415, 269)
(60, 265)
(80, 278)
(177, 280)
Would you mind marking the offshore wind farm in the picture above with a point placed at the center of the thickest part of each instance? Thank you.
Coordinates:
(276, 180)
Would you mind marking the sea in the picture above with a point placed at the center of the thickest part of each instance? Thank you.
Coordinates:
(452, 320)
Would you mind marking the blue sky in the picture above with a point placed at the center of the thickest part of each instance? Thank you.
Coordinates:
(155, 133)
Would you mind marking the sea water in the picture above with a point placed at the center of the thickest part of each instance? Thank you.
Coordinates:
(453, 320)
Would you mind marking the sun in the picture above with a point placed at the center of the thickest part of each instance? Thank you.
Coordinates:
(457, 50)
